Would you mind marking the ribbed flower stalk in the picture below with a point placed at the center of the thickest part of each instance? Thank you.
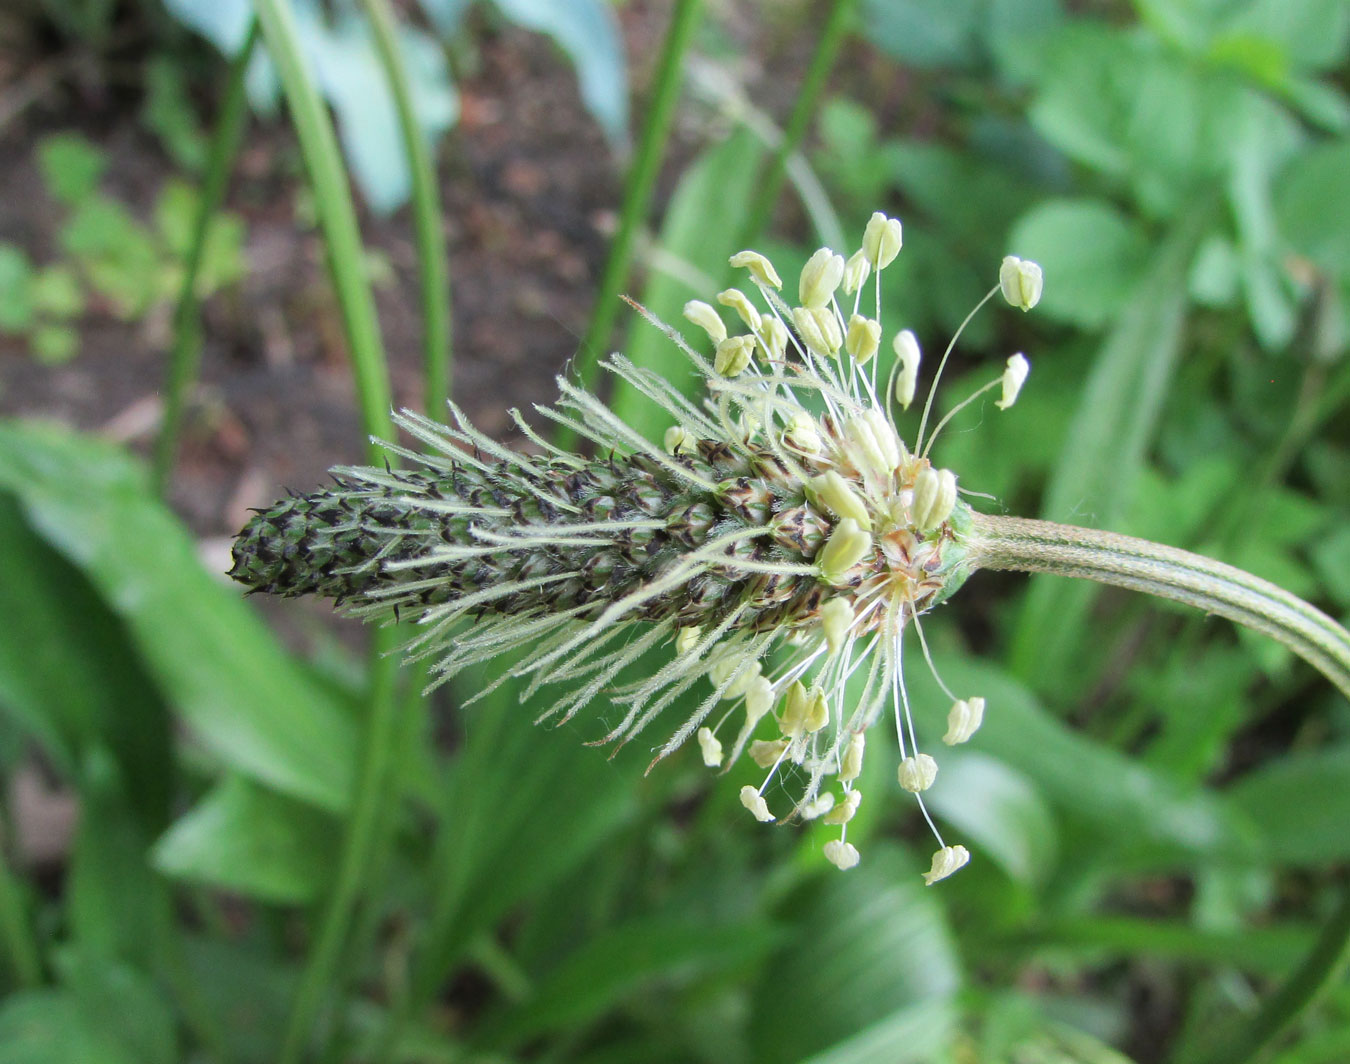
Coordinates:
(782, 539)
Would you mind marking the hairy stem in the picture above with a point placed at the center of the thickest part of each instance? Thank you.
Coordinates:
(1045, 547)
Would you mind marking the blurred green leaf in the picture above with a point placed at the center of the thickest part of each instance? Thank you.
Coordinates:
(116, 902)
(116, 253)
(48, 1027)
(167, 112)
(1314, 213)
(1331, 557)
(70, 676)
(871, 953)
(16, 289)
(622, 960)
(54, 345)
(925, 33)
(243, 838)
(1092, 255)
(122, 1003)
(1301, 803)
(56, 291)
(71, 166)
(1000, 809)
(254, 707)
(1111, 431)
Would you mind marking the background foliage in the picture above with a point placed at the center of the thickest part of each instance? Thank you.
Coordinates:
(279, 854)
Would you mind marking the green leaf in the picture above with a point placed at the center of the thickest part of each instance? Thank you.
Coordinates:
(252, 841)
(1092, 255)
(16, 289)
(925, 33)
(56, 292)
(71, 166)
(69, 675)
(48, 1027)
(117, 253)
(1109, 436)
(1314, 213)
(224, 672)
(1301, 803)
(868, 947)
(1000, 809)
(616, 964)
(121, 1002)
(167, 112)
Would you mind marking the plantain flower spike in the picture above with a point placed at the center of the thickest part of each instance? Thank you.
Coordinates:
(780, 540)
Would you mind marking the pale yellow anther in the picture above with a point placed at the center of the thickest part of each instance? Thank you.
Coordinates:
(707, 319)
(917, 773)
(686, 639)
(934, 498)
(759, 699)
(754, 801)
(817, 806)
(819, 329)
(836, 617)
(862, 339)
(844, 811)
(725, 665)
(906, 348)
(1021, 282)
(882, 240)
(821, 276)
(802, 433)
(709, 747)
(843, 855)
(760, 267)
(847, 546)
(740, 303)
(840, 496)
(963, 719)
(679, 440)
(946, 861)
(856, 272)
(817, 711)
(773, 338)
(767, 752)
(850, 764)
(1014, 376)
(795, 706)
(734, 355)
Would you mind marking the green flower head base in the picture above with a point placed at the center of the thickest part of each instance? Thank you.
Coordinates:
(782, 540)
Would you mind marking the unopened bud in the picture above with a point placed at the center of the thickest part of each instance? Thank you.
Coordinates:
(863, 338)
(1014, 376)
(872, 443)
(679, 440)
(1021, 281)
(801, 433)
(795, 705)
(737, 301)
(760, 267)
(734, 355)
(707, 319)
(843, 855)
(754, 801)
(820, 277)
(840, 496)
(817, 711)
(934, 498)
(917, 773)
(906, 348)
(836, 617)
(882, 240)
(963, 719)
(844, 811)
(946, 861)
(847, 546)
(686, 639)
(709, 747)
